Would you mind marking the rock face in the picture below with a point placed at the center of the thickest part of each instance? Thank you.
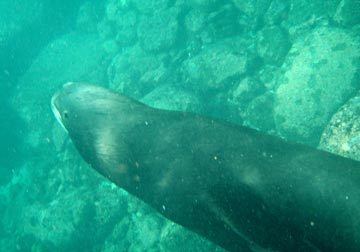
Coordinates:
(346, 13)
(273, 45)
(216, 64)
(148, 30)
(136, 73)
(342, 134)
(320, 74)
(148, 7)
(172, 98)
(303, 15)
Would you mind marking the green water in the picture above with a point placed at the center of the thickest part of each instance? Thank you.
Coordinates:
(287, 68)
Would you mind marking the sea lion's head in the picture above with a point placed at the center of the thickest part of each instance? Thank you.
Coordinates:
(76, 104)
(97, 121)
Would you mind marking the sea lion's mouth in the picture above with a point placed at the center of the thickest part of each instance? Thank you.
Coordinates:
(56, 111)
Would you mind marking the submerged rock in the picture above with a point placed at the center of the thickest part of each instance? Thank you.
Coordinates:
(149, 7)
(158, 31)
(306, 13)
(176, 238)
(203, 4)
(319, 75)
(277, 12)
(342, 134)
(120, 23)
(253, 104)
(136, 73)
(272, 45)
(172, 98)
(252, 12)
(347, 13)
(216, 65)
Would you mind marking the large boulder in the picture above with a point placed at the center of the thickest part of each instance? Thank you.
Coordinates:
(216, 65)
(172, 98)
(136, 72)
(342, 134)
(347, 13)
(320, 73)
(149, 7)
(158, 31)
(272, 45)
(303, 15)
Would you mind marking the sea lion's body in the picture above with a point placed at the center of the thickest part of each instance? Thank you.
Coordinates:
(242, 189)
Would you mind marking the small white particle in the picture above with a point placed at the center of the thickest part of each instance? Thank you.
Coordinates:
(146, 123)
(347, 197)
(312, 223)
(163, 207)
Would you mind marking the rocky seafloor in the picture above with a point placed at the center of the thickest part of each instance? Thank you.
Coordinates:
(288, 68)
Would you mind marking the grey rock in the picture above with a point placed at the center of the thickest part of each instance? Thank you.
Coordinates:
(245, 91)
(260, 113)
(203, 4)
(88, 17)
(342, 134)
(106, 29)
(114, 9)
(136, 73)
(172, 98)
(126, 26)
(149, 7)
(111, 47)
(277, 12)
(61, 205)
(253, 104)
(216, 64)
(158, 31)
(252, 13)
(268, 75)
(195, 20)
(272, 45)
(144, 232)
(320, 73)
(347, 13)
(302, 11)
(175, 238)
(210, 26)
(120, 23)
(57, 222)
(304, 15)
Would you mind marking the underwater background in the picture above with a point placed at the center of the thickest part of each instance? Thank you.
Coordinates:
(290, 68)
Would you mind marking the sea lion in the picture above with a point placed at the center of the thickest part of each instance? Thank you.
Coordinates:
(242, 189)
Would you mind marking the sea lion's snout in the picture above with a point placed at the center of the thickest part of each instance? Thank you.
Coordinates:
(78, 103)
(57, 108)
(56, 111)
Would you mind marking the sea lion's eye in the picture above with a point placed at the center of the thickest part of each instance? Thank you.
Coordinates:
(66, 115)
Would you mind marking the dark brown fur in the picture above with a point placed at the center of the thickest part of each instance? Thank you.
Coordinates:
(242, 189)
